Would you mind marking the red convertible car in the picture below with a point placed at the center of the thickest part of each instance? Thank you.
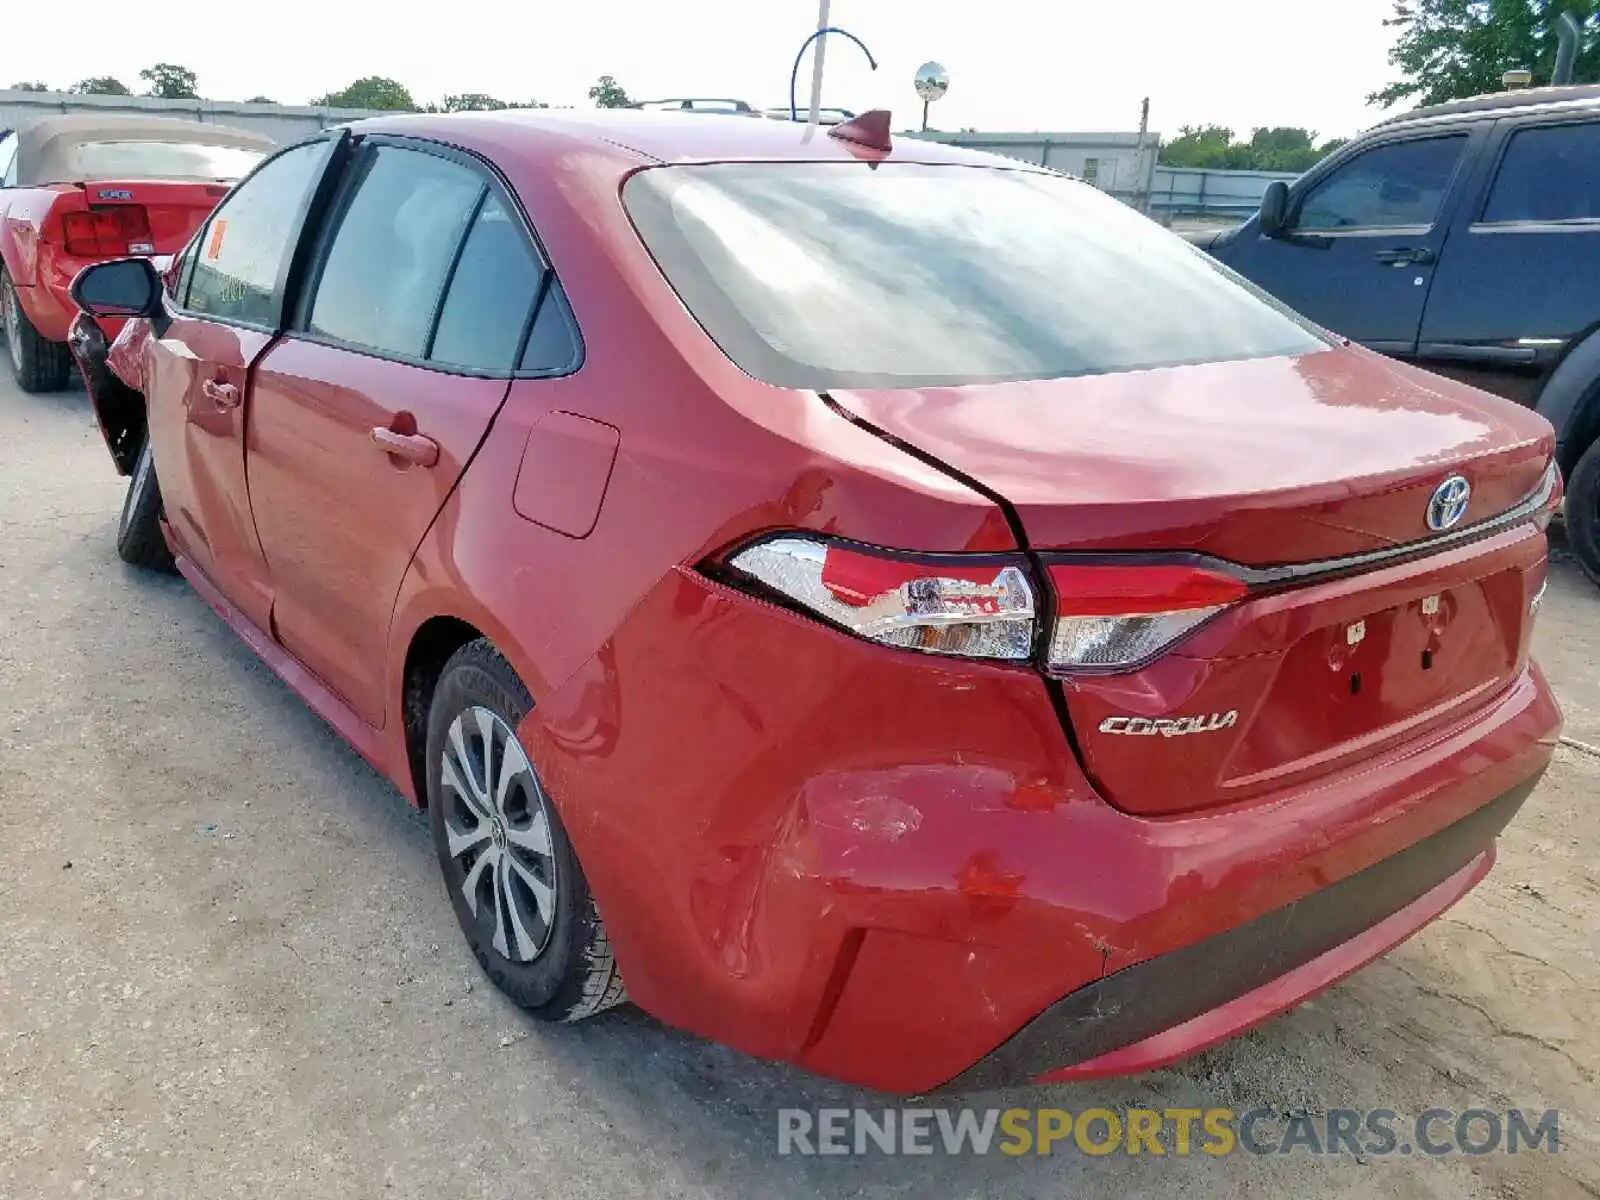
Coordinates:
(898, 609)
(80, 189)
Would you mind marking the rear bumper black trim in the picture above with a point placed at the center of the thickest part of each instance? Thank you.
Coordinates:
(1140, 1001)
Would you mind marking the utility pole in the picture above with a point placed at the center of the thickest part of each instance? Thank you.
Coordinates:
(1141, 197)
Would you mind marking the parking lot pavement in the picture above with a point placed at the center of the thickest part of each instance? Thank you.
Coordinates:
(227, 967)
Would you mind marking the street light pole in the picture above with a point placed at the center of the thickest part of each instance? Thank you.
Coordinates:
(816, 66)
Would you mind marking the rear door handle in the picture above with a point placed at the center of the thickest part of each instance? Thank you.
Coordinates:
(221, 393)
(411, 447)
(1406, 256)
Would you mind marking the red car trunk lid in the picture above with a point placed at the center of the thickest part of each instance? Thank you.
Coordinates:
(1263, 463)
(175, 209)
(1259, 462)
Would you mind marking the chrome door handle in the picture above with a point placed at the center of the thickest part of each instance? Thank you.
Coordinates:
(1406, 256)
(410, 447)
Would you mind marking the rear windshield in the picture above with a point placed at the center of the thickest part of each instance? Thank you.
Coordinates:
(160, 160)
(840, 275)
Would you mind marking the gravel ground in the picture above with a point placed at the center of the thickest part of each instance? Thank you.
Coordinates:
(227, 967)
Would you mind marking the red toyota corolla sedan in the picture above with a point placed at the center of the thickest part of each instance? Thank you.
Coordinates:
(897, 610)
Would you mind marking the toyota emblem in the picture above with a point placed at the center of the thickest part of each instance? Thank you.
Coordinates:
(1448, 503)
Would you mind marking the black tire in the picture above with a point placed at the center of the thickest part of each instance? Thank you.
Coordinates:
(139, 538)
(572, 973)
(37, 364)
(1583, 512)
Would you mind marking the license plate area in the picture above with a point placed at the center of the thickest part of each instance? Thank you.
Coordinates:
(1351, 680)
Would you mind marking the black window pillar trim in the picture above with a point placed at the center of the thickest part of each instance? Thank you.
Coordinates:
(484, 191)
(312, 217)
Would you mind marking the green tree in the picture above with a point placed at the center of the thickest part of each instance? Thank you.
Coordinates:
(608, 93)
(1449, 49)
(261, 100)
(473, 102)
(170, 82)
(1270, 148)
(30, 87)
(478, 102)
(1204, 146)
(100, 85)
(1282, 148)
(370, 91)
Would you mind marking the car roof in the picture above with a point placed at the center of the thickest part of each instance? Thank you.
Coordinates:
(658, 137)
(1494, 102)
(44, 147)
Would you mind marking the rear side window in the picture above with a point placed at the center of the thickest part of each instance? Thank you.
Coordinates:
(1398, 184)
(245, 248)
(393, 249)
(827, 275)
(491, 294)
(552, 346)
(1548, 174)
(8, 160)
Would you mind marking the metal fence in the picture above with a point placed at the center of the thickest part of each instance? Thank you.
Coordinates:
(1198, 192)
(1124, 165)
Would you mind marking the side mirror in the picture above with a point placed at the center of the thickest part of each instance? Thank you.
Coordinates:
(124, 287)
(1274, 209)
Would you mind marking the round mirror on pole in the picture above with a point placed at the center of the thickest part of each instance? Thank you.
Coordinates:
(932, 82)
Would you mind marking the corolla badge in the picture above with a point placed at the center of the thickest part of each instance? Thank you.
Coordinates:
(1170, 726)
(1448, 504)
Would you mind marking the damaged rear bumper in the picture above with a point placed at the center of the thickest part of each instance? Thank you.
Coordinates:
(889, 868)
(1178, 1004)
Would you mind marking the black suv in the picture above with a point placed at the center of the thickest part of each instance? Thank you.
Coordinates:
(1464, 237)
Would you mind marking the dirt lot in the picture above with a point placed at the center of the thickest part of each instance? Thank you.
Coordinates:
(227, 967)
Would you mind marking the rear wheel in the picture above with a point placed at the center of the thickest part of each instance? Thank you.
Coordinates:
(515, 883)
(1583, 511)
(37, 364)
(139, 537)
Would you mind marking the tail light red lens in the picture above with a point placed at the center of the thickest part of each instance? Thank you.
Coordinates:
(1109, 617)
(107, 232)
(1114, 617)
(979, 608)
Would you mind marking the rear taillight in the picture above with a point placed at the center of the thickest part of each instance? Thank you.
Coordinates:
(1115, 616)
(107, 232)
(976, 606)
(1109, 616)
(1547, 499)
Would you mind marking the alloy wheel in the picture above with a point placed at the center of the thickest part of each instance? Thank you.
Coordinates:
(497, 822)
(12, 316)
